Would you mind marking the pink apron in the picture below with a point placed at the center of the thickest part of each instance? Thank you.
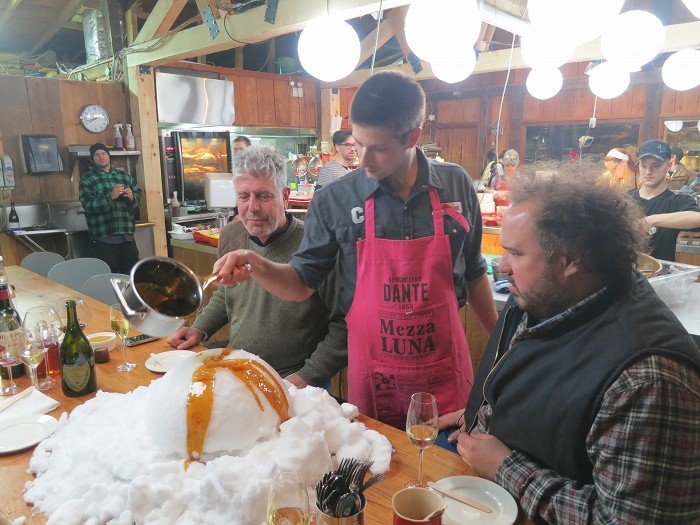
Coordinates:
(404, 332)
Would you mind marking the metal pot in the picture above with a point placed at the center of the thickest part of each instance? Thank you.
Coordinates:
(160, 293)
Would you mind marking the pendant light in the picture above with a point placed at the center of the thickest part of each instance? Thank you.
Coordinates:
(681, 71)
(452, 70)
(633, 39)
(544, 83)
(608, 80)
(321, 59)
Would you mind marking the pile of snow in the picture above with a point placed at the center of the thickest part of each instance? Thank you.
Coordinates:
(104, 464)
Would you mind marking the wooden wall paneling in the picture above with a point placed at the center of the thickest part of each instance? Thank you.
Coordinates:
(514, 118)
(687, 102)
(296, 111)
(310, 104)
(604, 109)
(649, 128)
(265, 100)
(565, 104)
(71, 104)
(531, 109)
(549, 110)
(246, 101)
(583, 104)
(668, 102)
(282, 103)
(639, 101)
(15, 120)
(346, 95)
(46, 115)
(482, 138)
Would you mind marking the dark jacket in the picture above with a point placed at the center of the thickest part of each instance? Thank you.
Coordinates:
(546, 390)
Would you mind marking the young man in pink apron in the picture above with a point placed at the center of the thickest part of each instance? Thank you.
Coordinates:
(407, 233)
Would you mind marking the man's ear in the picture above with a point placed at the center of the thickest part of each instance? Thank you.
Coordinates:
(571, 265)
(413, 138)
(285, 196)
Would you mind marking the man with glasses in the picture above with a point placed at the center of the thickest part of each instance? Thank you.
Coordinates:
(406, 232)
(306, 341)
(345, 152)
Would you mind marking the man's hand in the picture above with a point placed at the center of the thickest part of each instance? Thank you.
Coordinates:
(235, 267)
(483, 452)
(185, 337)
(128, 193)
(452, 419)
(117, 191)
(296, 380)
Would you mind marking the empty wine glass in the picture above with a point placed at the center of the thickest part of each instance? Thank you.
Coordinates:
(288, 500)
(42, 330)
(81, 309)
(9, 357)
(422, 427)
(121, 326)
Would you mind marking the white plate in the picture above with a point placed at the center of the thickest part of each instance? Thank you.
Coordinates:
(505, 511)
(23, 432)
(167, 359)
(181, 236)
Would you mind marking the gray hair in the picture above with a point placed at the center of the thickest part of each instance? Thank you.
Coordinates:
(261, 161)
(595, 223)
(511, 157)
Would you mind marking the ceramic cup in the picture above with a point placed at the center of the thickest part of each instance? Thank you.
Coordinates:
(413, 505)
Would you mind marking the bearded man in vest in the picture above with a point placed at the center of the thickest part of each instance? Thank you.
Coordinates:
(586, 407)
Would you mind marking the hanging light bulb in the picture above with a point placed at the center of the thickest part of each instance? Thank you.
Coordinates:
(693, 6)
(633, 39)
(544, 83)
(681, 71)
(608, 80)
(453, 70)
(436, 28)
(545, 49)
(673, 126)
(584, 20)
(322, 60)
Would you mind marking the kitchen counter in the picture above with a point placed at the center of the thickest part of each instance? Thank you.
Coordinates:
(192, 245)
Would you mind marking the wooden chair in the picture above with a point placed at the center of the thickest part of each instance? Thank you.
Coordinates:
(99, 287)
(41, 262)
(74, 272)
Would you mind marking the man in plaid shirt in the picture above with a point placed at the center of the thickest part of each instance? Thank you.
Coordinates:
(111, 200)
(586, 407)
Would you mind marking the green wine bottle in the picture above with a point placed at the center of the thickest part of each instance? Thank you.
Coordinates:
(77, 359)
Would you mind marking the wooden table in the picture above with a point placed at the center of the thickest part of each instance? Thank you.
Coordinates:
(34, 290)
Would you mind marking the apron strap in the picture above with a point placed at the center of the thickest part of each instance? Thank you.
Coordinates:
(450, 210)
(369, 217)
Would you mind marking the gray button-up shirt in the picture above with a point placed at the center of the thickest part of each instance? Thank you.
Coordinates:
(335, 222)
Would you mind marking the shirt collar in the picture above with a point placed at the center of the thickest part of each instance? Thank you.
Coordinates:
(275, 235)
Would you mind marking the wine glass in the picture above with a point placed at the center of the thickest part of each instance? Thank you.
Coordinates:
(32, 354)
(288, 500)
(42, 330)
(121, 326)
(81, 309)
(422, 427)
(9, 357)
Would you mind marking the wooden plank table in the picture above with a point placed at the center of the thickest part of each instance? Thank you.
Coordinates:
(34, 290)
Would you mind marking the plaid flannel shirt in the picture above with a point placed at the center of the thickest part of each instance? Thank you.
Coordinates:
(104, 215)
(644, 445)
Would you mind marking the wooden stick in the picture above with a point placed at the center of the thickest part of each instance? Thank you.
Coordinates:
(462, 499)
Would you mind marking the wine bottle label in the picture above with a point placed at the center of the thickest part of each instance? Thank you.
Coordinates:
(14, 340)
(76, 377)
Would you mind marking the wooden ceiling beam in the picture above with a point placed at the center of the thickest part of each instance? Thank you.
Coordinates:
(161, 19)
(678, 36)
(76, 26)
(64, 15)
(367, 44)
(9, 10)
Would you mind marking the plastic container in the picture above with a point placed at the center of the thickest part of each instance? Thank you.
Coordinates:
(673, 284)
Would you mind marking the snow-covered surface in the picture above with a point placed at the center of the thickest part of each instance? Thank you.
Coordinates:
(109, 462)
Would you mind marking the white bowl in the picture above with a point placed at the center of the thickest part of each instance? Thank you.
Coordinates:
(182, 236)
(103, 339)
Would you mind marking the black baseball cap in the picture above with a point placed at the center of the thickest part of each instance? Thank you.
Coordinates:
(655, 148)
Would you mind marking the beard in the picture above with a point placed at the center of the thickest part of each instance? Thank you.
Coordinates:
(544, 299)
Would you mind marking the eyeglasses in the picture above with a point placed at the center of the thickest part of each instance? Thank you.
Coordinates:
(348, 145)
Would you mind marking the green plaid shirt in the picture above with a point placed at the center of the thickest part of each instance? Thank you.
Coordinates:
(104, 215)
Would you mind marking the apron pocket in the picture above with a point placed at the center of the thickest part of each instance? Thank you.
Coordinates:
(393, 385)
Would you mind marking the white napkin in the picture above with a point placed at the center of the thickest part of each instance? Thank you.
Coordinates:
(177, 228)
(34, 403)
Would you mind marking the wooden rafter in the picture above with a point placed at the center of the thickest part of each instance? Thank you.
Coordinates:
(64, 15)
(367, 44)
(396, 18)
(11, 7)
(161, 19)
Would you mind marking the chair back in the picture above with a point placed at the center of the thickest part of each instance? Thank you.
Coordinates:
(41, 262)
(74, 272)
(99, 287)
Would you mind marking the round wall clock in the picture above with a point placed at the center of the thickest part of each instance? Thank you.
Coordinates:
(95, 118)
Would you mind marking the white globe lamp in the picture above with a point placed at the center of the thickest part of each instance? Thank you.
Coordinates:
(322, 60)
(608, 80)
(544, 49)
(633, 39)
(674, 126)
(436, 27)
(693, 6)
(544, 83)
(681, 71)
(452, 70)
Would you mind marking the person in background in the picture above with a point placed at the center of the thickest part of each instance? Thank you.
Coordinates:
(666, 213)
(501, 181)
(111, 200)
(407, 234)
(488, 172)
(621, 168)
(585, 406)
(678, 174)
(307, 341)
(345, 153)
(240, 143)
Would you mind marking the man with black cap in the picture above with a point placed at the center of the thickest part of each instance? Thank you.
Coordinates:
(667, 213)
(111, 199)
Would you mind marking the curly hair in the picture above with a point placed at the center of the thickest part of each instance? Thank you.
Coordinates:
(389, 100)
(597, 225)
(261, 161)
